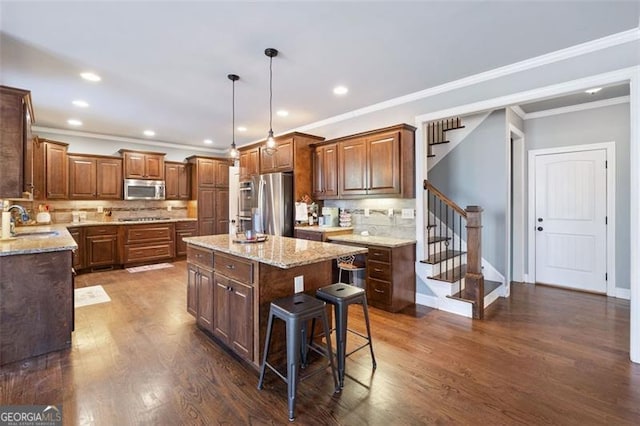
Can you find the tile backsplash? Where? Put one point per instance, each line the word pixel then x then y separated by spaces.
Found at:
pixel 379 222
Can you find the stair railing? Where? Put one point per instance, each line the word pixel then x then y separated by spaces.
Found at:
pixel 456 231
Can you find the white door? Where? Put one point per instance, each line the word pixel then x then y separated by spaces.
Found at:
pixel 571 208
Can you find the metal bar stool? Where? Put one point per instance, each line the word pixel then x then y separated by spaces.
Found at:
pixel 347 264
pixel 296 311
pixel 342 295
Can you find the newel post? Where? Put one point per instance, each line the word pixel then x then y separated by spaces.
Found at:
pixel 474 280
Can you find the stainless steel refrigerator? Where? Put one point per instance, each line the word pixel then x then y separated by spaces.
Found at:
pixel 267 204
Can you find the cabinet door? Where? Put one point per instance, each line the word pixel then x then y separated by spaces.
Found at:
pixel 57 172
pixel 267 161
pixel 192 289
pixel 184 182
pixel 134 165
pixel 78 254
pixel 317 168
pixel 154 166
pixel 222 174
pixel 109 179
pixel 253 165
pixel 101 250
pixel 222 211
pixel 284 155
pixel 172 181
pixel 12 142
pixel 82 177
pixel 181 246
pixel 383 154
pixel 241 319
pixel 206 211
pixel 352 163
pixel 206 172
pixel 205 299
pixel 222 309
pixel 244 165
pixel 330 172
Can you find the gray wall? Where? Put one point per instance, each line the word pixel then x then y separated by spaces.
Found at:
pixel 474 173
pixel 607 124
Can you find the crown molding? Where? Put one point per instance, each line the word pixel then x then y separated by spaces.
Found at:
pixel 76 133
pixel 527 64
pixel 579 107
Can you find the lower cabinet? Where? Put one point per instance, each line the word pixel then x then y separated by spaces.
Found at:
pixel 78 254
pixel 184 229
pixel 148 243
pixel 101 246
pixel 391 281
pixel 232 316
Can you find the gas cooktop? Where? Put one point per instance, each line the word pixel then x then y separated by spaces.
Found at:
pixel 142 219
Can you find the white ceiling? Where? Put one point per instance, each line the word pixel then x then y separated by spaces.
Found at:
pixel 164 65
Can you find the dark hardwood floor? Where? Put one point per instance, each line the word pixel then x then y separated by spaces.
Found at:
pixel 544 356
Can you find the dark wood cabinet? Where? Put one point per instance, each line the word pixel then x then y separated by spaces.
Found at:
pixel 221 211
pixel 15 142
pixel 325 172
pixel 391 281
pixel 205 291
pixel 50 170
pixel 249 163
pixel 222 174
pixel 319 234
pixel 200 286
pixel 101 246
pixel 279 161
pixel 383 159
pixel 177 181
pixel 143 165
pixel 148 243
pixel 206 211
pixel 78 254
pixel 184 229
pixel 95 178
pixel 210 180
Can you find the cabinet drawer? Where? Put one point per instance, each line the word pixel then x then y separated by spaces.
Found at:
pixel 199 256
pixel 233 267
pixel 379 270
pixel 309 235
pixel 186 226
pixel 379 254
pixel 138 234
pixel 378 292
pixel 144 253
pixel 101 230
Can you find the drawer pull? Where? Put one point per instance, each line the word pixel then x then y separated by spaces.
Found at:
pixel 231 266
pixel 378 291
pixel 198 255
pixel 377 269
pixel 377 254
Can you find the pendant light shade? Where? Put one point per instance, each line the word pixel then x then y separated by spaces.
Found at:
pixel 233 152
pixel 270 145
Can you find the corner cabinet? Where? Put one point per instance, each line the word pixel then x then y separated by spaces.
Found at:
pixel 50 170
pixel 378 163
pixel 143 165
pixel 15 139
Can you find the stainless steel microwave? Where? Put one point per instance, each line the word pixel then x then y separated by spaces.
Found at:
pixel 138 189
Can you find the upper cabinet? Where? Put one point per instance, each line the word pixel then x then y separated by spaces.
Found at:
pixel 279 161
pixel 50 170
pixel 375 163
pixel 143 165
pixel 94 177
pixel 249 163
pixel 16 115
pixel 177 180
pixel 325 171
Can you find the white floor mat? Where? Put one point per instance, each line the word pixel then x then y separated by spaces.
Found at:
pixel 90 296
pixel 149 267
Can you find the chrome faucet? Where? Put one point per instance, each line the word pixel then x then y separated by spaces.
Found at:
pixel 24 216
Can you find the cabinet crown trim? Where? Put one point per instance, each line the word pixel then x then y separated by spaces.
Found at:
pixel 396 127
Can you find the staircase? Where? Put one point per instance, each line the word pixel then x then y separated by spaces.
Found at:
pixel 454 256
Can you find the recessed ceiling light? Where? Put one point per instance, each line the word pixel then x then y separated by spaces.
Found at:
pixel 90 76
pixel 149 133
pixel 340 90
pixel 80 103
pixel 241 129
pixel 593 91
pixel 74 122
pixel 208 141
pixel 282 113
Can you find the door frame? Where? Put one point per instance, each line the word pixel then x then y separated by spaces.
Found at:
pixel 610 249
pixel 517 231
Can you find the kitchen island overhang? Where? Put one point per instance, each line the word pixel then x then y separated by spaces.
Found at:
pixel 230 285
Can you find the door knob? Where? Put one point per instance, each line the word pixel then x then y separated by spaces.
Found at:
pixel 539 219
pixel 539 228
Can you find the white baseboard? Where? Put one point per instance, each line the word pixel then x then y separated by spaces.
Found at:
pixel 426 300
pixel 445 304
pixel 623 293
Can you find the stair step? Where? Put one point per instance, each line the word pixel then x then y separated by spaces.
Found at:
pixel 442 256
pixel 489 287
pixel 437 239
pixel 452 275
pixel 453 128
pixel 438 142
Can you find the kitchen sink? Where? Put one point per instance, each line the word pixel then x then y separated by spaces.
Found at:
pixel 37 234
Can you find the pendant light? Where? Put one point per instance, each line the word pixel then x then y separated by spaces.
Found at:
pixel 270 145
pixel 233 153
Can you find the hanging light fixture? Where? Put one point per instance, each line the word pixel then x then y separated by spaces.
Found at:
pixel 270 145
pixel 233 153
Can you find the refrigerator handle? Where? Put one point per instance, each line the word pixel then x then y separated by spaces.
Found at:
pixel 258 227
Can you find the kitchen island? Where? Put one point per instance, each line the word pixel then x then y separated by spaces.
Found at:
pixel 36 292
pixel 230 285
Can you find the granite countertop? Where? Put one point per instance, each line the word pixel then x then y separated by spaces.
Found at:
pixel 283 252
pixel 38 243
pixel 323 228
pixel 372 240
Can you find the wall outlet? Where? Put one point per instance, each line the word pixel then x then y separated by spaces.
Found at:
pixel 390 212
pixel 99 209
pixel 169 208
pixel 298 284
pixel 408 213
pixel 366 212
